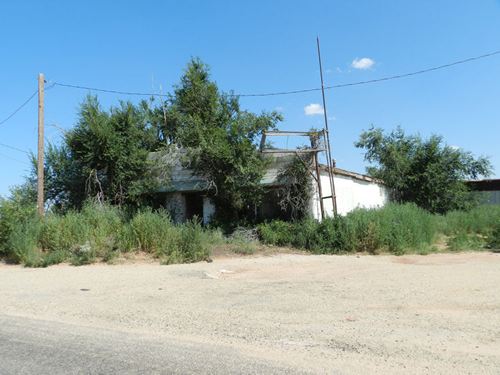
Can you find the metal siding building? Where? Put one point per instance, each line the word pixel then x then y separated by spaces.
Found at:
pixel 488 191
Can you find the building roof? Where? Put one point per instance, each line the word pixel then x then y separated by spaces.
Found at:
pixel 171 168
pixel 485 185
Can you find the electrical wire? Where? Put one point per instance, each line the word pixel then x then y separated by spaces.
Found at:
pixel 14 159
pixel 278 93
pixel 108 91
pixel 349 84
pixel 14 148
pixel 18 108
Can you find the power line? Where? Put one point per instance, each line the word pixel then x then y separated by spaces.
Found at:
pixel 14 148
pixel 14 159
pixel 25 103
pixel 108 91
pixel 19 108
pixel 417 72
pixel 300 91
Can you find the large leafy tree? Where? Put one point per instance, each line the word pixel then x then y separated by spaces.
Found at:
pixel 222 138
pixel 104 157
pixel 424 171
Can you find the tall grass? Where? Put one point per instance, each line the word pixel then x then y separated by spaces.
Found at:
pixel 395 228
pixel 101 232
pixel 474 229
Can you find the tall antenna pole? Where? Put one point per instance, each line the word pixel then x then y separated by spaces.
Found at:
pixel 40 172
pixel 328 151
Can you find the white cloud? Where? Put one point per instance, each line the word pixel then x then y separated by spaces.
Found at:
pixel 363 63
pixel 313 109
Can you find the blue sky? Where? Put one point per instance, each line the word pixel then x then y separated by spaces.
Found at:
pixel 261 46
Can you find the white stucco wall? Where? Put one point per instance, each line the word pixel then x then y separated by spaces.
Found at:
pixel 351 193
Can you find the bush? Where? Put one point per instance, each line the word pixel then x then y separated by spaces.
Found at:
pixel 394 228
pixel 101 232
pixel 494 238
pixel 22 243
pixel 277 233
pixel 154 232
pixel 81 236
pixel 15 211
pixel 481 220
pixel 243 241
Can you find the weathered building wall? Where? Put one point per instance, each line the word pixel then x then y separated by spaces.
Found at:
pixel 351 193
pixel 176 206
pixel 487 191
pixel 488 197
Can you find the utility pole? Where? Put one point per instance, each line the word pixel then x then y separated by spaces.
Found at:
pixel 40 171
pixel 329 160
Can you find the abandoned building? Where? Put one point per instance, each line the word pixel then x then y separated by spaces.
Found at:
pixel 487 191
pixel 185 195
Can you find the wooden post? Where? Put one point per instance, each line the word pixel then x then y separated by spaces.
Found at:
pixel 40 171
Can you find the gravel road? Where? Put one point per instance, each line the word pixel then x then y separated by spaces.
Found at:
pixel 291 313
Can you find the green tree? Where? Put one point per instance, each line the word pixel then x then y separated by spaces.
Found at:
pixel 222 139
pixel 424 171
pixel 104 157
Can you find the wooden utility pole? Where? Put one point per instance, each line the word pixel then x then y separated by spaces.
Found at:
pixel 40 172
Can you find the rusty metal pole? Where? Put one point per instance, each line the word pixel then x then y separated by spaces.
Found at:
pixel 40 171
pixel 328 151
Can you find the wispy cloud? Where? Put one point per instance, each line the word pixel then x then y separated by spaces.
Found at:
pixel 313 109
pixel 363 63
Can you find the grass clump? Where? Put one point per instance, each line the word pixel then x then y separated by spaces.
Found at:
pixel 243 241
pixel 395 228
pixel 155 233
pixel 102 232
pixel 472 230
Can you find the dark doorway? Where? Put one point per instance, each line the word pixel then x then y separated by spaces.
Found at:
pixel 194 206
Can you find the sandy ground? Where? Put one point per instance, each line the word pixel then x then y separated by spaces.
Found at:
pixel 325 314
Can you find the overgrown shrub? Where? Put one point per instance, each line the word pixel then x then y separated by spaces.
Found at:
pixel 494 239
pixel 479 220
pixel 394 228
pixel 243 241
pixel 15 211
pixel 102 232
pixel 22 242
pixel 154 232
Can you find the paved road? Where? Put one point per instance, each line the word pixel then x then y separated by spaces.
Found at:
pixel 29 346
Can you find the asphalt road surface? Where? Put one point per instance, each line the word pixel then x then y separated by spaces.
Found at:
pixel 29 346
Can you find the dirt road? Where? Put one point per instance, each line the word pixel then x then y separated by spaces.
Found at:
pixel 321 314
